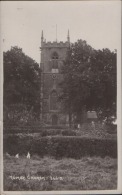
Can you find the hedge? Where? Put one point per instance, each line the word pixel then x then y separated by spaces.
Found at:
pixel 41 130
pixel 60 146
pixel 33 129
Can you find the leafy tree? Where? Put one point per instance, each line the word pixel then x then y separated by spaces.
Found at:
pixel 104 83
pixel 21 82
pixel 89 81
pixel 75 88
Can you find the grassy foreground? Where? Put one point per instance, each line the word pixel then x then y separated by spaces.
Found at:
pixel 47 174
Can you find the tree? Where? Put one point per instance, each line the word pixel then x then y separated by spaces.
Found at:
pixel 104 82
pixel 21 82
pixel 89 80
pixel 75 88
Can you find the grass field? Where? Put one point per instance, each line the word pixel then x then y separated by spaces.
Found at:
pixel 47 174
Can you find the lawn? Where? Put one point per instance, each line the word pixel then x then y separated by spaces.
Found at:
pixel 48 174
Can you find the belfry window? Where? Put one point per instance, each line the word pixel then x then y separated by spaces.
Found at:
pixel 55 58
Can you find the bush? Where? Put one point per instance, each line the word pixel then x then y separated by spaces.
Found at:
pixel 60 146
pixel 68 132
pixel 13 129
pixel 31 128
pixel 50 132
pixel 112 128
pixel 98 130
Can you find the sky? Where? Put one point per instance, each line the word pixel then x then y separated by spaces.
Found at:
pixel 97 22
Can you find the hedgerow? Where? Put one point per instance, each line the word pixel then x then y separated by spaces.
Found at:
pixel 60 146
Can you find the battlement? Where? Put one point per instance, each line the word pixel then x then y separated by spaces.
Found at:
pixel 54 44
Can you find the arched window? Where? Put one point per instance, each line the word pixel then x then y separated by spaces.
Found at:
pixel 55 58
pixel 53 100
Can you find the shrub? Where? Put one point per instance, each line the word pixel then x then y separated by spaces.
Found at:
pixel 98 130
pixel 68 132
pixel 28 128
pixel 50 132
pixel 11 129
pixel 60 146
pixel 111 128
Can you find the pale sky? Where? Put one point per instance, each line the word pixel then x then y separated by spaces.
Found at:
pixel 97 22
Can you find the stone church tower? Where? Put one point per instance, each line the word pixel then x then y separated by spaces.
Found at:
pixel 53 55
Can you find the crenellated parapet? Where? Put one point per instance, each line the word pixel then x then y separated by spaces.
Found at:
pixel 54 44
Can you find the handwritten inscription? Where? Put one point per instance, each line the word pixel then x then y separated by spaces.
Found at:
pixel 32 177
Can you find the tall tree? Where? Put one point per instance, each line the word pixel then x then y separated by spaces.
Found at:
pixel 104 82
pixel 89 80
pixel 21 82
pixel 75 88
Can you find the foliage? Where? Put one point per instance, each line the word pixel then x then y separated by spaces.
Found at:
pixel 103 83
pixel 60 146
pixel 86 130
pixel 69 132
pixel 30 128
pixel 89 81
pixel 76 69
pixel 21 85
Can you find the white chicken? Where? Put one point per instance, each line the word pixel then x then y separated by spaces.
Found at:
pixel 17 156
pixel 28 155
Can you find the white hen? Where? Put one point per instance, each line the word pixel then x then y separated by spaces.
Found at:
pixel 17 156
pixel 28 155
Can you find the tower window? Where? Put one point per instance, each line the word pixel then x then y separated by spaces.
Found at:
pixel 53 100
pixel 55 62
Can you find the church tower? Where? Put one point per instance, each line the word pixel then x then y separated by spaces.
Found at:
pixel 53 55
